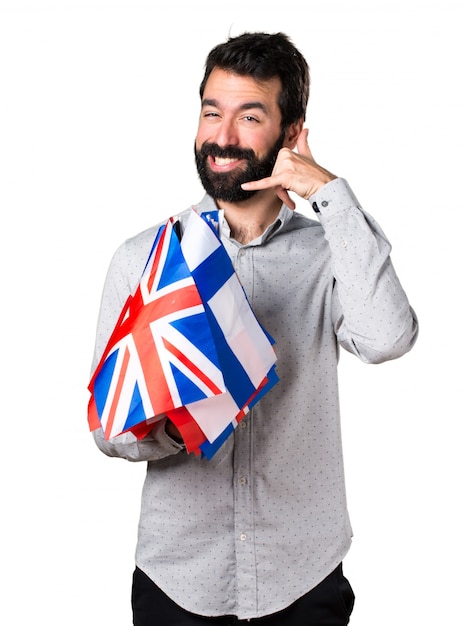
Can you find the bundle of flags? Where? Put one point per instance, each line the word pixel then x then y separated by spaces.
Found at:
pixel 187 345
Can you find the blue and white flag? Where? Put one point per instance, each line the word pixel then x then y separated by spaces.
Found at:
pixel 187 345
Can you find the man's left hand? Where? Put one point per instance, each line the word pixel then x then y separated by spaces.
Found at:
pixel 294 171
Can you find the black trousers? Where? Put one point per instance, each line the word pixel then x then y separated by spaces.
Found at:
pixel 331 602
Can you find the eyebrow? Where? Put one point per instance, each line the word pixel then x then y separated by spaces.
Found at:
pixel 211 102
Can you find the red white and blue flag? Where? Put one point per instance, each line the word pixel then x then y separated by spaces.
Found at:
pixel 187 345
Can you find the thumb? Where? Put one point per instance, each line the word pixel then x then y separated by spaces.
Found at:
pixel 303 145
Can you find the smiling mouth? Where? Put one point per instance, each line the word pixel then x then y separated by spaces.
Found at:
pixel 224 161
pixel 224 164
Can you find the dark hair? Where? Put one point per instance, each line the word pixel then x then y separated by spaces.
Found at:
pixel 264 56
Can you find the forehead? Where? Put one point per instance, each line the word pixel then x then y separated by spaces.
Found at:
pixel 227 89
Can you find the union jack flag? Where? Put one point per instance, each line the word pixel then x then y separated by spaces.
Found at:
pixel 187 345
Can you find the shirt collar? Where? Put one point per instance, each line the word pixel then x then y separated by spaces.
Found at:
pixel 284 216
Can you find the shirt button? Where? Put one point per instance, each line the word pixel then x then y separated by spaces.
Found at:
pixel 242 480
pixel 344 244
pixel 242 424
pixel 243 536
pixel 324 203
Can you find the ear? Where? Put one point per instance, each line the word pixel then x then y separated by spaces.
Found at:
pixel 292 133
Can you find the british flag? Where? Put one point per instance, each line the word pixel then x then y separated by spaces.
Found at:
pixel 187 345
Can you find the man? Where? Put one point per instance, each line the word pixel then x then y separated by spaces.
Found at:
pixel 259 532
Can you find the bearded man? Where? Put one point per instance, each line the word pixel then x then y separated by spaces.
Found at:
pixel 258 533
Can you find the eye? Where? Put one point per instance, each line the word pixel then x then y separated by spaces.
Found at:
pixel 250 118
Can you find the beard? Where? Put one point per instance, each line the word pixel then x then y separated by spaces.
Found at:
pixel 226 186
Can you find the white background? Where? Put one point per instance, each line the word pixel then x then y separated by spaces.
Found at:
pixel 98 113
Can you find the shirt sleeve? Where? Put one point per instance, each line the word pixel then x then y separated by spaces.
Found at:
pixel 371 313
pixel 122 278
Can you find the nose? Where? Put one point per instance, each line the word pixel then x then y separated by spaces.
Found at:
pixel 226 134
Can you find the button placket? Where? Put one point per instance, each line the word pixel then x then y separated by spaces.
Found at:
pixel 242 463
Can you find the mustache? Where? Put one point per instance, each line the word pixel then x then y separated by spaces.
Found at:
pixel 228 152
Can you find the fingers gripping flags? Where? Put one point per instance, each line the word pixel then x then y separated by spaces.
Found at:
pixel 187 345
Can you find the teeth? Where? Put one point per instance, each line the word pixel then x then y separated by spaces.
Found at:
pixel 220 161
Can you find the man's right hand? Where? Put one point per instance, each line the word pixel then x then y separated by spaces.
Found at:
pixel 172 431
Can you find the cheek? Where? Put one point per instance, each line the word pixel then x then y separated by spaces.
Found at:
pixel 262 144
pixel 262 151
pixel 201 137
pixel 205 132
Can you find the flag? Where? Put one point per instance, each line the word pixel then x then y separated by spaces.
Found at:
pixel 187 345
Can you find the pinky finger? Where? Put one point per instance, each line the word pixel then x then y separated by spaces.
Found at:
pixel 285 198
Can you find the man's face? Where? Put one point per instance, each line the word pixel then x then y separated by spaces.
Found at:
pixel 239 134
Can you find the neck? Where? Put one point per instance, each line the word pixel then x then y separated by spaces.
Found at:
pixel 249 219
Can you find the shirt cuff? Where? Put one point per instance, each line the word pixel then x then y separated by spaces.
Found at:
pixel 333 198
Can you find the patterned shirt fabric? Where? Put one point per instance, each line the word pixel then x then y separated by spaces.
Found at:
pixel 265 520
